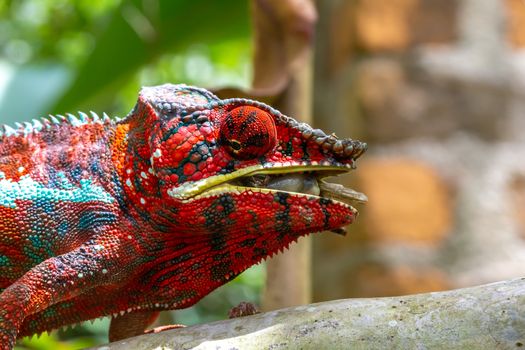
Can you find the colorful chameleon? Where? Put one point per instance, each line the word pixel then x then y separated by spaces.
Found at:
pixel 154 211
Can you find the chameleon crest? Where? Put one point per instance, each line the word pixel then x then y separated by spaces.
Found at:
pixel 154 211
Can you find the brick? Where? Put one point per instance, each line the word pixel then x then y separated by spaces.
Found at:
pixel 384 25
pixel 408 202
pixel 516 22
pixel 394 108
pixel 380 83
pixel 400 102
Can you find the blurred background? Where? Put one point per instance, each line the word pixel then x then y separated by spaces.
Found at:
pixel 434 86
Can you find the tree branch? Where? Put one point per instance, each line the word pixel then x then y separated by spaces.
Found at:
pixel 491 316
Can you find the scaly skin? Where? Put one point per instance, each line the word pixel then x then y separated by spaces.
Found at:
pixel 136 216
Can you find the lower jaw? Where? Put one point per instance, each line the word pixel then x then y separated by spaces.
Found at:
pixel 228 209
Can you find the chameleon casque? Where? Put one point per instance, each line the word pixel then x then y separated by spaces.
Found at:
pixel 152 212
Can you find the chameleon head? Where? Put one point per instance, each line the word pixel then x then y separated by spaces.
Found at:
pixel 244 173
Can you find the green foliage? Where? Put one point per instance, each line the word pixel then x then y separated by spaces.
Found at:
pixel 111 48
pixel 103 51
pixel 139 32
pixel 37 31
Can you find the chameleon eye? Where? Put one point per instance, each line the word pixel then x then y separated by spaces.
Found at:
pixel 248 132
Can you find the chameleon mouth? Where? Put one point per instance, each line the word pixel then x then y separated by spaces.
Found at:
pixel 303 180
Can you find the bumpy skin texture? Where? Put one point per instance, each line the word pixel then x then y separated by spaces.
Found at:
pixel 132 217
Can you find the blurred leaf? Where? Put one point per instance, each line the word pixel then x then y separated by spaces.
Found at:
pixel 37 84
pixel 140 31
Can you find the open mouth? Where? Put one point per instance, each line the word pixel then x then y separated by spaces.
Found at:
pixel 303 180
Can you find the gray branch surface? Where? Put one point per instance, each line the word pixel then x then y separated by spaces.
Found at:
pixel 490 316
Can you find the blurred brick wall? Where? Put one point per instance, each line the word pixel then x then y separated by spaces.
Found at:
pixel 436 88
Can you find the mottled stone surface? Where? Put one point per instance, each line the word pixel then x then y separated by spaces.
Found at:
pixel 436 88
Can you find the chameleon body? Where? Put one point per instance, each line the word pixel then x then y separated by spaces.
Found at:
pixel 152 212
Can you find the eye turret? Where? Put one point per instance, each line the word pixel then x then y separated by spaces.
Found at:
pixel 248 132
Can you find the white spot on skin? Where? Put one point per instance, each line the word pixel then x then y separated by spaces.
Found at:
pixel 150 170
pixel 142 201
pixel 157 153
pixel 128 182
pixel 104 271
pixel 21 169
pixel 80 275
pixel 144 175
pixel 128 171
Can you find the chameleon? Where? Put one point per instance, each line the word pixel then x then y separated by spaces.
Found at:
pixel 128 217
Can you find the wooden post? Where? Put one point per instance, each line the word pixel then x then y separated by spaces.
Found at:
pixel 283 33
